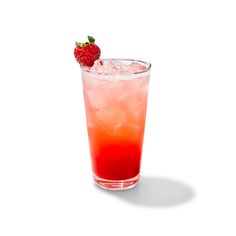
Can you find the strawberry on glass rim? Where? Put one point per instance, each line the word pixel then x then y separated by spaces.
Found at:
pixel 87 53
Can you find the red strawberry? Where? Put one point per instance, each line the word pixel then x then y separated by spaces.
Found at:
pixel 87 53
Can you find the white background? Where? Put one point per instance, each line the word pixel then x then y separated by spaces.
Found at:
pixel 188 167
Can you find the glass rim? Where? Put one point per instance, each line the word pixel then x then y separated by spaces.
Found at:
pixel 147 64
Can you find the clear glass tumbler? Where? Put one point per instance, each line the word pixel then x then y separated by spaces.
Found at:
pixel 115 106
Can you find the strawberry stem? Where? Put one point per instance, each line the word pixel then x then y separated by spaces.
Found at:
pixel 77 44
pixel 90 40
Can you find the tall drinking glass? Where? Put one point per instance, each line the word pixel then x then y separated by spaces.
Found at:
pixel 115 103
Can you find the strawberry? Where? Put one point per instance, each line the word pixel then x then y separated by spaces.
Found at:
pixel 87 53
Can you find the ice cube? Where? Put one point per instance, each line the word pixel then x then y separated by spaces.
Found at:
pixel 136 67
pixel 128 131
pixel 91 82
pixel 114 90
pixel 134 105
pixel 97 98
pixel 110 118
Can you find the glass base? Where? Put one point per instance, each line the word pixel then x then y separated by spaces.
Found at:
pixel 116 184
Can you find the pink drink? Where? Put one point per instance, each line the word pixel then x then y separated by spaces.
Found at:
pixel 115 95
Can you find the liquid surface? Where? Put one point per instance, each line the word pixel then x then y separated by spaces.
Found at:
pixel 117 67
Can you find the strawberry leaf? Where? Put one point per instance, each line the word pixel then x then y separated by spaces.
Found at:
pixel 91 39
